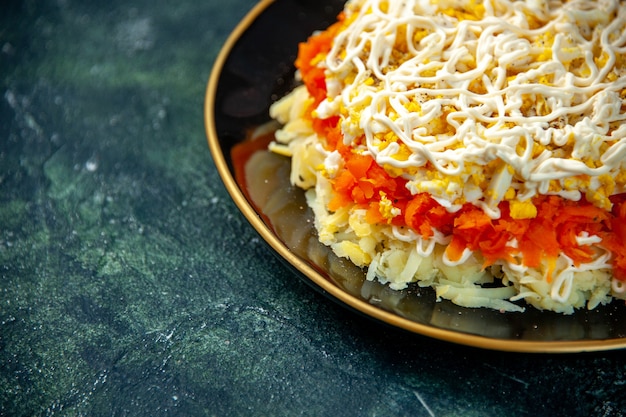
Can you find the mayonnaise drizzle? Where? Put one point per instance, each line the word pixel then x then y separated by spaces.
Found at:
pixel 486 101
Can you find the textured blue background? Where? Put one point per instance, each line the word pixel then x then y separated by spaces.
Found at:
pixel 131 286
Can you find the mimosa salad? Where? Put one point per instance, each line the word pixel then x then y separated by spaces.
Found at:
pixel 476 147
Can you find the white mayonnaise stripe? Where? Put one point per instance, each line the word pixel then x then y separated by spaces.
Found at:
pixel 445 89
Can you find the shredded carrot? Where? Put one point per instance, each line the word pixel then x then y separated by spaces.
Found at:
pixel 309 53
pixel 615 239
pixel 455 248
pixel 373 214
pixel 554 230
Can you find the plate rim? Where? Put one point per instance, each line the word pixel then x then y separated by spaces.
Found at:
pixel 332 290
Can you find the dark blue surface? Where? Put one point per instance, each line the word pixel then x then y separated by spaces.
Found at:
pixel 131 286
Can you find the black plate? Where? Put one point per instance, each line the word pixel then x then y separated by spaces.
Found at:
pixel 255 68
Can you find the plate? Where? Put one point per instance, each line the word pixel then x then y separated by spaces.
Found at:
pixel 255 68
